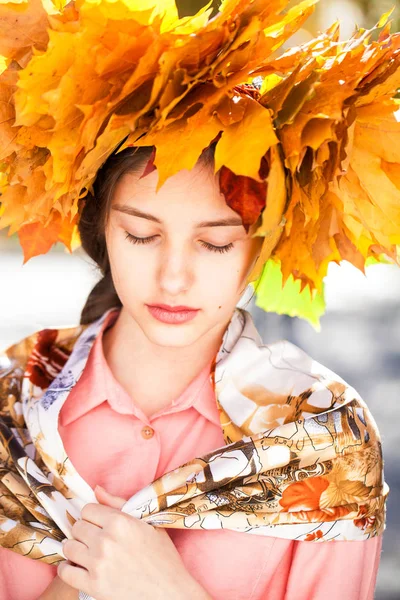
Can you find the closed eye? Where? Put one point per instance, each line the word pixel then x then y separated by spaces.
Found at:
pixel 147 240
pixel 220 249
pixel 138 240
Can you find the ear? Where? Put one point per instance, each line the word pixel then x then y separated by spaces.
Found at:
pixel 108 499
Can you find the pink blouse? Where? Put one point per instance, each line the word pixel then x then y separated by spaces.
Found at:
pixel 107 437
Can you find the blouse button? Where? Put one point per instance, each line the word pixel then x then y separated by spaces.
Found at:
pixel 147 432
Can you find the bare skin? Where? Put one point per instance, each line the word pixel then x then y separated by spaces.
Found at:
pixel 102 539
pixel 177 266
pixel 59 589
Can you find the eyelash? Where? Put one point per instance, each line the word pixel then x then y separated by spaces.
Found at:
pixel 138 240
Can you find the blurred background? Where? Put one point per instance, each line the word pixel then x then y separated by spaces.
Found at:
pixel 360 332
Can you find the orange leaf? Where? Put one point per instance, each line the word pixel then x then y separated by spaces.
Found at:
pixel 303 495
pixel 314 535
pixel 22 27
pixel 67 232
pixel 36 239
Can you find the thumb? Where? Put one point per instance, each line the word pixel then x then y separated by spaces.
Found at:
pixel 108 499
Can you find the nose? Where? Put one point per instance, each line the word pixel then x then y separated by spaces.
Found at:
pixel 175 272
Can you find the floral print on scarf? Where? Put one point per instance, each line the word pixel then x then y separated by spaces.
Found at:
pixel 302 458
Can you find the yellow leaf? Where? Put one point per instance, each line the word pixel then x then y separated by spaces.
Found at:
pixel 324 117
pixel 316 132
pixel 8 132
pixel 343 491
pixel 53 7
pixel 362 216
pixel 392 170
pixel 255 131
pixel 298 13
pixel 272 217
pixel 377 131
pixel 13 209
pixel 270 82
pixel 383 193
pixel 180 144
pixel 383 20
pixel 3 64
pixel 143 11
pixel 95 158
pixel 191 23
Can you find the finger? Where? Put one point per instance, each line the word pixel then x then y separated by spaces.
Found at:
pixel 98 514
pixel 77 553
pixel 85 532
pixel 108 499
pixel 75 576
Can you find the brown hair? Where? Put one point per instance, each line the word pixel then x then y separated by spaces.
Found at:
pixel 94 217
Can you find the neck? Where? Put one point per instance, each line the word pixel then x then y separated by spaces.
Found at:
pixel 169 369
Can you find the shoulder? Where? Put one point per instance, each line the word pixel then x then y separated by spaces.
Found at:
pixel 332 414
pixel 289 355
pixel 290 389
pixel 58 341
pixel 39 353
pixel 286 368
pixel 22 348
pixel 320 389
pixel 39 356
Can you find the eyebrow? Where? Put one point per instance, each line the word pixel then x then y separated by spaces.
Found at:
pixel 130 210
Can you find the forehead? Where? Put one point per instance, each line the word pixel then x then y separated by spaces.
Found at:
pixel 188 194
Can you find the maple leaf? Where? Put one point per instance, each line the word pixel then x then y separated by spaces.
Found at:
pixel 22 28
pixel 64 115
pixel 335 116
pixel 314 150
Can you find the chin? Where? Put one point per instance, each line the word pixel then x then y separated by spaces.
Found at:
pixel 173 336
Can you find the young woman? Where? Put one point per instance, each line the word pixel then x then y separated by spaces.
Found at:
pixel 174 265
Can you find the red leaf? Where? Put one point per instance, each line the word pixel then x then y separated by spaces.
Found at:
pixel 244 195
pixel 150 166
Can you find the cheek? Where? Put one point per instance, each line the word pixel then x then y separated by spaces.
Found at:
pixel 128 267
pixel 223 277
pixel 217 279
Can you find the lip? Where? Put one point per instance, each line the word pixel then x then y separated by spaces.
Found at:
pixel 179 308
pixel 175 316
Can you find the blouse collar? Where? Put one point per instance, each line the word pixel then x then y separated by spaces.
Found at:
pixel 98 385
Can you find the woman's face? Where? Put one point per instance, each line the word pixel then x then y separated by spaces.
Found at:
pixel 188 248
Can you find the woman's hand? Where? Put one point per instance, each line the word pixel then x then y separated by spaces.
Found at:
pixel 117 556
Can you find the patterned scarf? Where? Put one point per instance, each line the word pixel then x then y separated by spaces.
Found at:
pixel 302 460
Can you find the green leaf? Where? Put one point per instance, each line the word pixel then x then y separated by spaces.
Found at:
pixel 272 297
pixel 383 259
